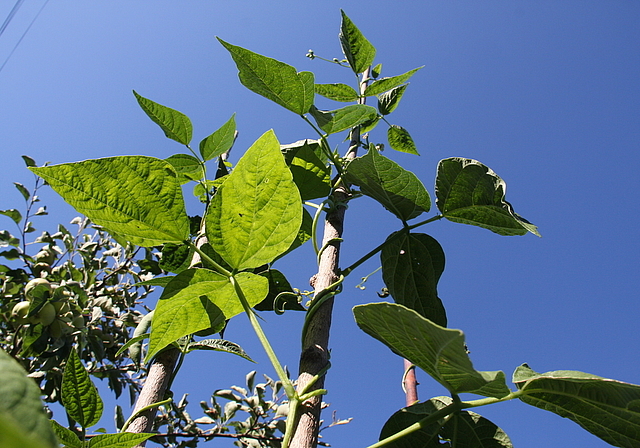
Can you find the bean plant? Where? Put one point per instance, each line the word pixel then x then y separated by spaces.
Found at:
pixel 219 263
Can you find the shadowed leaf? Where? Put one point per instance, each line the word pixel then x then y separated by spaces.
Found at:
pixel 337 92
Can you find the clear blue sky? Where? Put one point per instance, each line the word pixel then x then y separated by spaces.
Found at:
pixel 546 93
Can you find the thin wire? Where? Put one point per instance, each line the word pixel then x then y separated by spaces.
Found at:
pixel 12 13
pixel 23 34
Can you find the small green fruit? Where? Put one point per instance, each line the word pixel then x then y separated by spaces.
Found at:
pixel 47 314
pixel 78 322
pixel 19 313
pixel 28 289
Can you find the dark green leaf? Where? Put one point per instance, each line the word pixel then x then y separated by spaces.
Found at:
pixel 157 281
pixel 136 197
pixel 220 141
pixel 469 192
pixel 67 437
pixel 13 214
pixel 219 345
pixel 400 140
pixel 425 437
pixel 332 121
pixel 385 84
pixel 311 175
pixel 21 408
pixel 121 440
pixel 356 48
pixel 79 396
pixel 176 257
pixel 439 351
pixel 23 191
pixel 337 92
pixel 257 212
pixel 6 239
pixel 397 189
pixel 11 254
pixel 28 161
pixel 187 167
pixel 388 101
pixel 411 267
pixel 375 71
pixel 175 125
pixel 304 234
pixel 281 296
pixel 273 79
pixel 607 408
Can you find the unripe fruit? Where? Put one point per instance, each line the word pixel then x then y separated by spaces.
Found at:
pixel 19 313
pixel 78 322
pixel 47 314
pixel 61 307
pixel 36 282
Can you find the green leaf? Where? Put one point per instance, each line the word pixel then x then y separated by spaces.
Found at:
pixel 388 101
pixel 220 141
pixel 187 167
pixel 356 48
pixel 304 233
pixel 79 396
pixel 607 408
pixel 412 264
pixel 337 92
pixel 28 161
pixel 439 351
pixel 21 409
pixel 13 214
pixel 332 121
pixel 273 79
pixel 199 299
pixel 219 345
pixel 136 197
pixel 385 84
pixel 256 213
pixel 466 428
pixel 176 257
pixel 469 192
pixel 397 189
pixel 281 296
pixel 311 175
pixel 121 440
pixel 400 140
pixel 175 125
pixel 375 71
pixel 67 437
pixel 6 239
pixel 23 191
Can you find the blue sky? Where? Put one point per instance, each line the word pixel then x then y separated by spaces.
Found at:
pixel 545 93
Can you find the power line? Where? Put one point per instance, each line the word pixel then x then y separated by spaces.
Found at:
pixel 8 19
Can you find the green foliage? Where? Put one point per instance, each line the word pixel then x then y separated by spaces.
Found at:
pixel 79 396
pixel 356 48
pixel 175 125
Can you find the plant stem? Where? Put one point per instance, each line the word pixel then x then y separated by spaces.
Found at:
pixel 410 383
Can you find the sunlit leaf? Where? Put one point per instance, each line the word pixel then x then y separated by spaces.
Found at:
pixel 400 140
pixel 256 213
pixel 607 408
pixel 388 101
pixel 136 197
pixel 220 141
pixel 412 264
pixel 469 192
pixel 187 167
pixel 332 121
pixel 385 84
pixel 176 125
pixel 356 48
pixel 67 437
pixel 273 79
pixel 397 189
pixel 21 409
pixel 79 396
pixel 337 92
pixel 439 351
pixel 121 440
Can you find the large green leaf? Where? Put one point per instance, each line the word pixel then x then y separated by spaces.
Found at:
pixel 310 173
pixel 397 189
pixel 220 141
pixel 412 264
pixel 67 438
pixel 175 125
pixel 385 84
pixel 79 396
pixel 466 428
pixel 332 121
pixel 199 299
pixel 400 140
pixel 136 197
pixel 356 48
pixel 469 192
pixel 437 350
pixel 607 408
pixel 337 92
pixel 388 101
pixel 121 440
pixel 273 79
pixel 256 213
pixel 21 409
